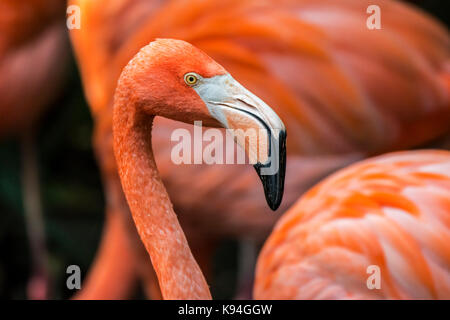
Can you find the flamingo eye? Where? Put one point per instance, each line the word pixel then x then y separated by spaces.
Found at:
pixel 190 78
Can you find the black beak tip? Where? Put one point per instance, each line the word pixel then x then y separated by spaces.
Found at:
pixel 273 184
pixel 274 200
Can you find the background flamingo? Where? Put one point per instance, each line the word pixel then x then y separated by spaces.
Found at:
pixel 390 211
pixel 33 58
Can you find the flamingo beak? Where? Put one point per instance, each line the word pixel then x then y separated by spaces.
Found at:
pixel 254 126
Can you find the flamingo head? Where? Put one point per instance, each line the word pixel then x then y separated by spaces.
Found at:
pixel 174 79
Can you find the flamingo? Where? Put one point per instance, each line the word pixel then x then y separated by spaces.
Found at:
pixel 389 211
pixel 172 78
pixel 34 53
pixel 339 95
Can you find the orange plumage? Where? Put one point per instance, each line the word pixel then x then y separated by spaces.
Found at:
pixel 390 211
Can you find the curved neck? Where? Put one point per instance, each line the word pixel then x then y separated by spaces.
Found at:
pixel 178 273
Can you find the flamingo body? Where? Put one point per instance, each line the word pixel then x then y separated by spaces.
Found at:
pixel 391 211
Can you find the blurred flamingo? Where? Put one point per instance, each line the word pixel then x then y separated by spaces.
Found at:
pixel 341 88
pixel 390 211
pixel 34 53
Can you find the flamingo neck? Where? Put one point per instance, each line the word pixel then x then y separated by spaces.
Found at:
pixel 178 273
